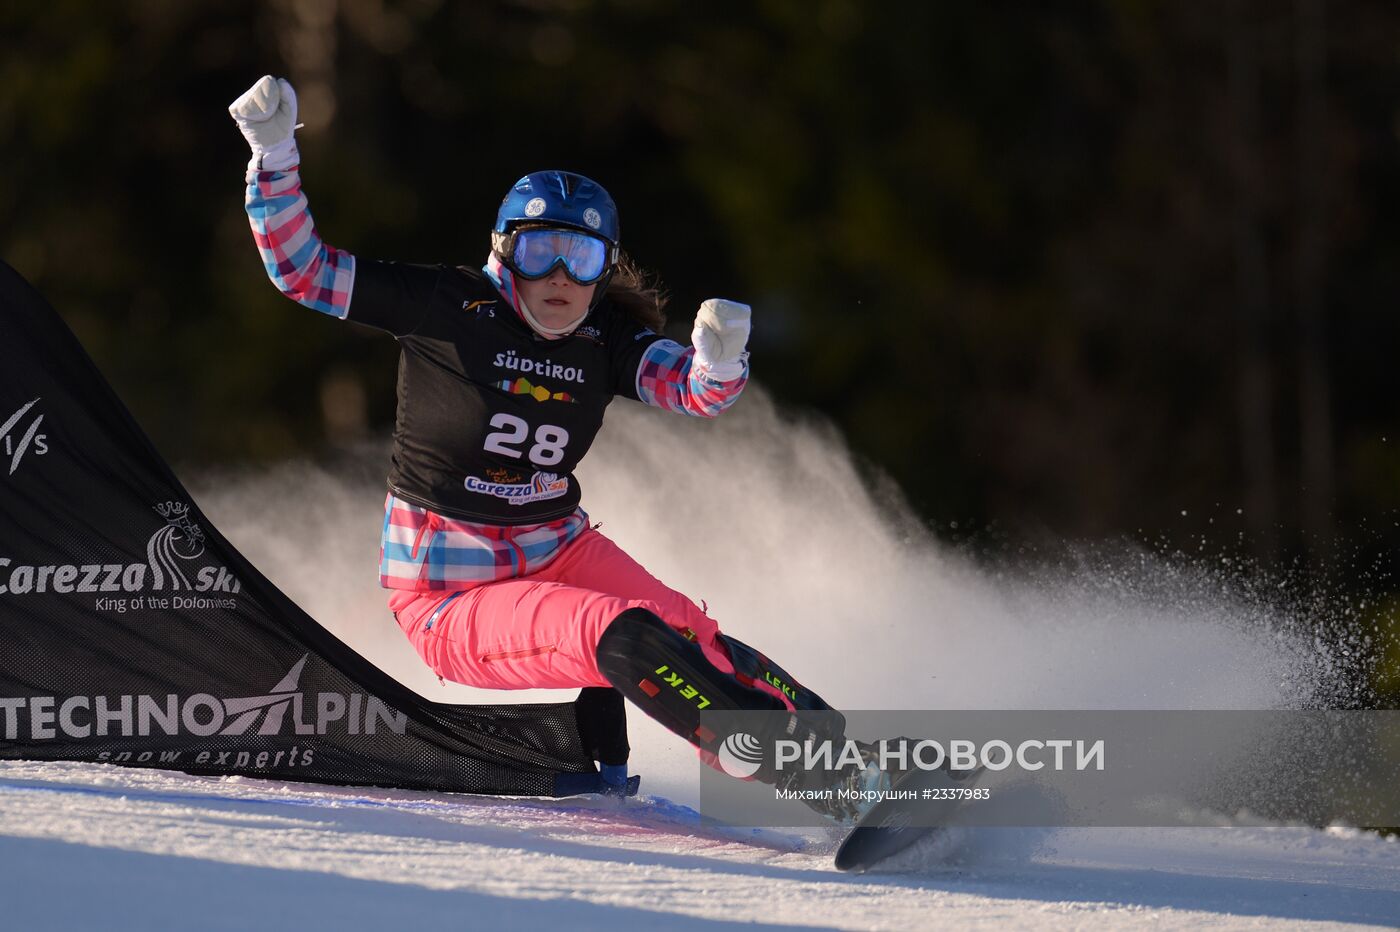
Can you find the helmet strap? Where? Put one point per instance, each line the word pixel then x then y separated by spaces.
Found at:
pixel 541 328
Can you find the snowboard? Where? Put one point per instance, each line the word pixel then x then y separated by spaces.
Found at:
pixel 894 824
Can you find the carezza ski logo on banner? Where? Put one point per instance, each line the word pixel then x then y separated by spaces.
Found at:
pixel 172 567
pixel 283 710
pixel 19 434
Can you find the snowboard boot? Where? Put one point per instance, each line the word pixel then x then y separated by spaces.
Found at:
pixel 858 787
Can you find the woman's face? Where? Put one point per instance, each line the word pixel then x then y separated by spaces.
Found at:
pixel 556 300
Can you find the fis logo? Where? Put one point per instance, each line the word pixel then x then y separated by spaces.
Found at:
pixel 19 435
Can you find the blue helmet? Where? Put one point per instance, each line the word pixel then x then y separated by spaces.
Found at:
pixel 560 199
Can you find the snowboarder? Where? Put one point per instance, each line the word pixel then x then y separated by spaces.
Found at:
pixel 497 577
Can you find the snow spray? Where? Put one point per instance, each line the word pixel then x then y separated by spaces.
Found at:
pixel 763 516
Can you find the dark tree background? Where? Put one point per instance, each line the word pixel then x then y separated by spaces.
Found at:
pixel 1065 271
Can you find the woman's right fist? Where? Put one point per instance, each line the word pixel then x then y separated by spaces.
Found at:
pixel 266 114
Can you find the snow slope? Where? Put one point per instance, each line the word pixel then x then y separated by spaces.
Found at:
pixel 86 847
pixel 847 594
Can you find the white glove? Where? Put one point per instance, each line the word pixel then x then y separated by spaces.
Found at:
pixel 267 115
pixel 720 335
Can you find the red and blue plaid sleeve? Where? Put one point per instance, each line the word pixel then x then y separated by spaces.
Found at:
pixel 302 267
pixel 668 378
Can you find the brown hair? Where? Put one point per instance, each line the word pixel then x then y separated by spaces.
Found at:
pixel 638 293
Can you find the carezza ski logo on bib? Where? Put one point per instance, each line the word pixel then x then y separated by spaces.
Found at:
pixel 542 486
pixel 172 558
pixel 19 434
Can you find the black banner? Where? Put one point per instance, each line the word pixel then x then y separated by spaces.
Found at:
pixel 132 632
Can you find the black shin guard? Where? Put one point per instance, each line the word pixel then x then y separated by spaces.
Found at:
pixel 671 680
pixel 753 665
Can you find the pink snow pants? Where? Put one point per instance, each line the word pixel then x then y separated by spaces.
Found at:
pixel 542 630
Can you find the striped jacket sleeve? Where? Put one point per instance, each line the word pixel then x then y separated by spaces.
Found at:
pixel 668 377
pixel 302 267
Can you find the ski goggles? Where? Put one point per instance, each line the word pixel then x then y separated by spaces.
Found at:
pixel 535 253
